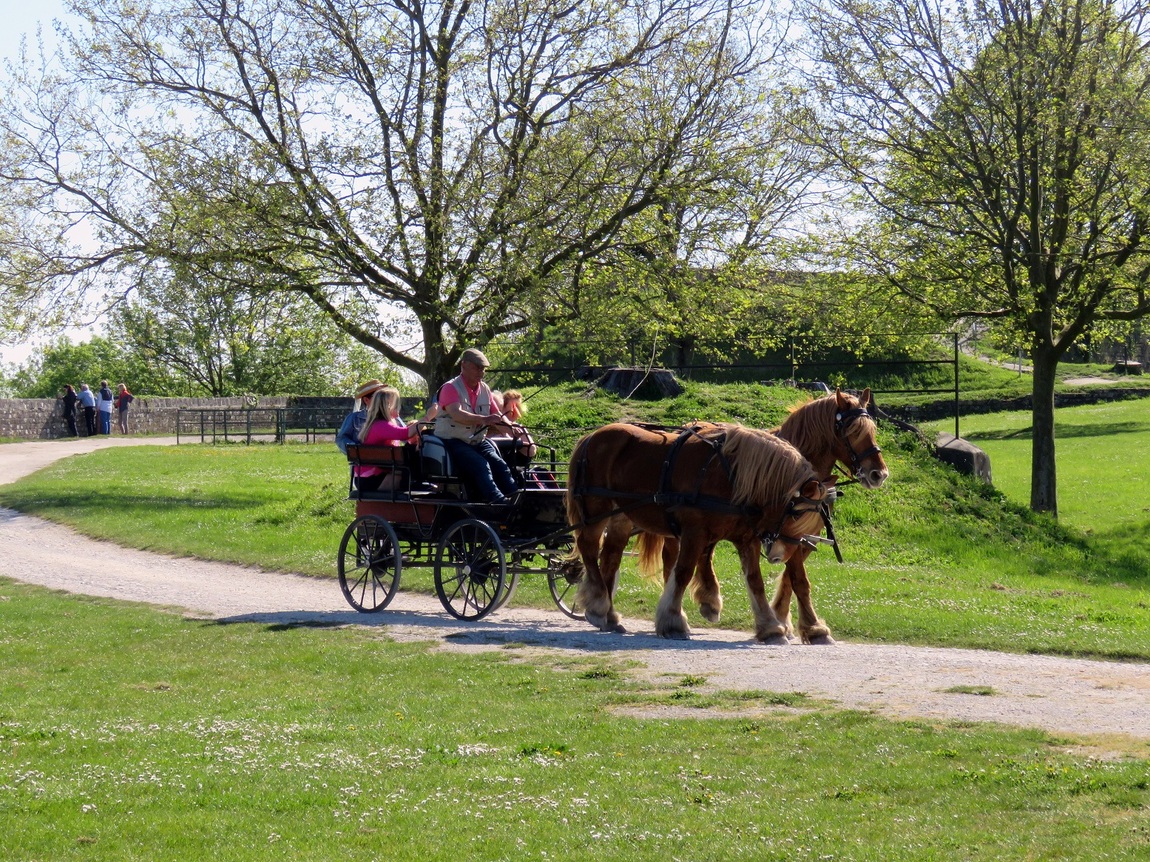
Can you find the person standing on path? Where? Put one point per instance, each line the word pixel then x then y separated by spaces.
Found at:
pixel 104 404
pixel 88 402
pixel 123 399
pixel 70 398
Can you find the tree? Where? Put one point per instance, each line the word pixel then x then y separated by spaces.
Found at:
pixel 218 340
pixel 1003 154
pixel 100 358
pixel 424 173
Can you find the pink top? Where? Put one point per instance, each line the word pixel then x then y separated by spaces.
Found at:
pixel 386 432
pixel 448 394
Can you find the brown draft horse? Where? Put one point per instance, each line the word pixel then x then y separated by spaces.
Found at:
pixel 833 429
pixel 723 482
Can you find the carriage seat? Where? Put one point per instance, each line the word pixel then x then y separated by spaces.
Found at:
pixel 390 459
pixel 436 461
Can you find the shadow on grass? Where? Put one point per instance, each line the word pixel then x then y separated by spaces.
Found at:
pixel 1062 430
pixel 34 502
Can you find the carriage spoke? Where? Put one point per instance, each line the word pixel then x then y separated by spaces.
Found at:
pixel 470 569
pixel 369 564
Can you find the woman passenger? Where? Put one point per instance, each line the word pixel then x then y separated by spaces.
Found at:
pixel 383 427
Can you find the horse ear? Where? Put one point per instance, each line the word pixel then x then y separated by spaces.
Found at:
pixel 840 399
pixel 865 399
pixel 813 490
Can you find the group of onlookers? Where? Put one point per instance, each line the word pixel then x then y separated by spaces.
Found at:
pixel 96 407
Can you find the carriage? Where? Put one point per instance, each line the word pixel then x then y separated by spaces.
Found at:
pixel 429 519
pixel 692 485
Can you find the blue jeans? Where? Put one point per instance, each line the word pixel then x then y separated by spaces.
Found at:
pixel 482 464
pixel 105 422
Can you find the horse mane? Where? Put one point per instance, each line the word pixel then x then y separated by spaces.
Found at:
pixel 810 425
pixel 765 468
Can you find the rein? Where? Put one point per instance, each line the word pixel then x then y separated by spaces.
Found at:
pixel 800 505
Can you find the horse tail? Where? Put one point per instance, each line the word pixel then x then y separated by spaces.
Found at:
pixel 650 549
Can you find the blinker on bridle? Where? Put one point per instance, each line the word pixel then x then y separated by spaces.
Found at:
pixel 843 421
pixel 798 506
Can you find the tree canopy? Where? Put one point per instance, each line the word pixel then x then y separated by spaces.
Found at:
pixel 428 175
pixel 1002 151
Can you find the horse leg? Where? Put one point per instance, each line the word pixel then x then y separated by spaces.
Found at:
pixel 781 603
pixel 599 601
pixel 705 586
pixel 812 630
pixel 593 595
pixel 670 621
pixel 768 628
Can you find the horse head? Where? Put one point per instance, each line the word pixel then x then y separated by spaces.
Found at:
pixel 807 511
pixel 856 444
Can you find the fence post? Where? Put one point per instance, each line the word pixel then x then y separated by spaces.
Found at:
pixel 954 335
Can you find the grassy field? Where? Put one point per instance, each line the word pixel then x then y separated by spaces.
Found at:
pixel 127 733
pixel 1103 460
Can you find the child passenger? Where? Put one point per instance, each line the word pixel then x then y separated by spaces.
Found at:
pixel 383 427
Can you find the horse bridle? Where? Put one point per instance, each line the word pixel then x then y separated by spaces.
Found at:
pixel 800 505
pixel 843 421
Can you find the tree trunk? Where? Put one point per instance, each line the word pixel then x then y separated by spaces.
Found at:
pixel 1043 484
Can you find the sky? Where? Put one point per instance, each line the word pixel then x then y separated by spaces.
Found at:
pixel 21 17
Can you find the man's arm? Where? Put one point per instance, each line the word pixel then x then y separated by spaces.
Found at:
pixel 349 431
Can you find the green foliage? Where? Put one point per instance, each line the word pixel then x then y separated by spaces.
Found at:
pixel 131 733
pixel 214 338
pixel 89 362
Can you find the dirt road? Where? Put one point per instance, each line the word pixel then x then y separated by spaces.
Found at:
pixel 1108 702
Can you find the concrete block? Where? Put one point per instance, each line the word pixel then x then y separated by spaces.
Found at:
pixel 964 456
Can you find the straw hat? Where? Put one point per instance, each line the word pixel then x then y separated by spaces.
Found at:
pixel 367 388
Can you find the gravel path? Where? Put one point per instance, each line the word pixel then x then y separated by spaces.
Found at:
pixel 1107 702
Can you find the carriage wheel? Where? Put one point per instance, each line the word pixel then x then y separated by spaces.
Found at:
pixel 564 575
pixel 369 564
pixel 470 569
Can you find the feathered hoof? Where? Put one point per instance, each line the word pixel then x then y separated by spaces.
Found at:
pixel 820 639
pixel 818 635
pixel 774 639
pixel 710 613
pixel 610 622
pixel 673 628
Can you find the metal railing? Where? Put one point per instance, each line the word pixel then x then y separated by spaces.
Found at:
pixel 259 424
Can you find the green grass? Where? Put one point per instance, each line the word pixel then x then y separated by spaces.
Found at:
pixel 127 733
pixel 931 558
pixel 1102 454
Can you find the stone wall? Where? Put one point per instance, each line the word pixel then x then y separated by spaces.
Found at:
pixel 43 418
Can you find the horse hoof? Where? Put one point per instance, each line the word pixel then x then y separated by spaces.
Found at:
pixel 820 640
pixel 710 613
pixel 777 639
pixel 675 635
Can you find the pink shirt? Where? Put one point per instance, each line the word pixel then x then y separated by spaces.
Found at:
pixel 448 394
pixel 386 432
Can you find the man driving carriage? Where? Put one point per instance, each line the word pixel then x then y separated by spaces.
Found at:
pixel 467 411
